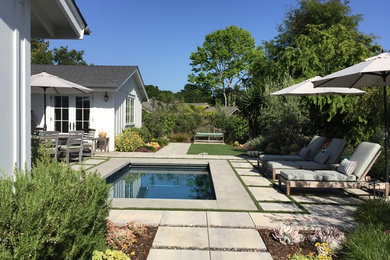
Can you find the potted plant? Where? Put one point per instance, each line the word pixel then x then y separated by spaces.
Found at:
pixel 102 134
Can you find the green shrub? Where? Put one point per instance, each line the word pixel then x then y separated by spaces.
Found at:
pixel 376 212
pixel 53 213
pixel 179 137
pixel 144 133
pixel 128 141
pixel 368 242
pixel 161 141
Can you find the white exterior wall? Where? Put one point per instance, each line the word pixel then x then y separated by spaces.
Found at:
pixel 15 136
pixel 103 116
pixel 129 88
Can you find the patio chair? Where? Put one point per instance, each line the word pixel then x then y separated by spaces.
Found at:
pixel 50 141
pixel 73 146
pixel 307 152
pixel 321 161
pixel 89 143
pixel 364 155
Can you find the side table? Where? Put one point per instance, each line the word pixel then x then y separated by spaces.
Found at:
pixel 102 144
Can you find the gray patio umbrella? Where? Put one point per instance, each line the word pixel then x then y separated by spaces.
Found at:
pixel 306 88
pixel 47 83
pixel 371 72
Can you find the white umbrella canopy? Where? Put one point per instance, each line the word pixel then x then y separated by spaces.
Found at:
pixel 45 83
pixel 55 85
pixel 374 71
pixel 306 88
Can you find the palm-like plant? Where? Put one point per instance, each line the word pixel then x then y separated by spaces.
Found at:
pixel 250 104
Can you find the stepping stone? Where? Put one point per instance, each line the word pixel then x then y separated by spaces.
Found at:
pixel 242 165
pixel 267 194
pixel 357 192
pixel 287 207
pixel 184 218
pixel 76 167
pixel 172 254
pixel 333 211
pixel 93 161
pixel 228 238
pixel 147 217
pixel 183 237
pixel 253 161
pixel 230 219
pixel 329 200
pixel 218 255
pixel 256 181
pixel 251 172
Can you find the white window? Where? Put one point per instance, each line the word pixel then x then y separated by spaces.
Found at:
pixel 130 110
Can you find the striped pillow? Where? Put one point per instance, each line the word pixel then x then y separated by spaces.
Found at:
pixel 321 157
pixel 347 167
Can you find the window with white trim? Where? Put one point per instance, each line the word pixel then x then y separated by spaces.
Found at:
pixel 130 110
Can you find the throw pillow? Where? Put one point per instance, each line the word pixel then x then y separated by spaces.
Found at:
pixel 347 167
pixel 321 157
pixel 304 153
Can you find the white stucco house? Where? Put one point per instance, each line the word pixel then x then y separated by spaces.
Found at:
pixel 114 103
pixel 21 20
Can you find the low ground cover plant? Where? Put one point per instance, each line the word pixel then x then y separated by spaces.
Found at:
pixel 53 212
pixel 371 239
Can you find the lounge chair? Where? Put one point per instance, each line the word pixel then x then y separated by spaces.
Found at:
pixel 307 152
pixel 365 156
pixel 321 161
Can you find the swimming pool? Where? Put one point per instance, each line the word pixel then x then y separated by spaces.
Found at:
pixel 163 181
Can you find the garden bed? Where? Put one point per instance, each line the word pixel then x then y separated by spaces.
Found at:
pixel 143 244
pixel 279 251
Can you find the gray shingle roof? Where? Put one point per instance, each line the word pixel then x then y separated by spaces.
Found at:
pixel 89 76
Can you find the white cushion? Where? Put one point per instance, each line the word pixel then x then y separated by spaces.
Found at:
pixel 347 167
pixel 321 157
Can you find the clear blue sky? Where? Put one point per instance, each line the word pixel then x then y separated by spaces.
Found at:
pixel 159 36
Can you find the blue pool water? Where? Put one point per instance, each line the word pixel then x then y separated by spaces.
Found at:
pixel 163 182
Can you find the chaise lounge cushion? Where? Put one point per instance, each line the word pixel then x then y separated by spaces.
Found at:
pixel 310 165
pixel 272 157
pixel 321 157
pixel 335 148
pixel 335 176
pixel 363 155
pixel 283 165
pixel 300 175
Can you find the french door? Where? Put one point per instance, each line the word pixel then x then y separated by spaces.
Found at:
pixel 71 113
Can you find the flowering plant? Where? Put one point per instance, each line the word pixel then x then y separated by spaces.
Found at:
pixel 331 236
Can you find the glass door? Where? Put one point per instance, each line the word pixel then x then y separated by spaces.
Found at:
pixel 71 113
pixel 61 114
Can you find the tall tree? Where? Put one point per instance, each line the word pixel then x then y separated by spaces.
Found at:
pixel 41 54
pixel 155 93
pixel 222 62
pixel 192 93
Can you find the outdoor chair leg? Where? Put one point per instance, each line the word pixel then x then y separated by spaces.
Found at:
pixel 387 190
pixel 288 188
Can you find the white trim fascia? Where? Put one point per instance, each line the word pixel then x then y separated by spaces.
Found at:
pixel 73 17
pixel 139 78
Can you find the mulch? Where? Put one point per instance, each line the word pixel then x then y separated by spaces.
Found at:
pixel 143 244
pixel 281 252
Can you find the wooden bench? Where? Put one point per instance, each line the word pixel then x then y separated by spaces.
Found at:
pixel 209 134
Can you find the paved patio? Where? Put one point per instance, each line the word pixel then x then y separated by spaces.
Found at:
pixel 211 232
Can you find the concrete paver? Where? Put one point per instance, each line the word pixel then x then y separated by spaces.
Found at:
pixel 182 237
pixel 225 255
pixel 287 207
pixel 330 199
pixel 235 238
pixel 148 217
pixel 174 149
pixel 256 181
pixel 250 172
pixel 334 211
pixel 230 219
pixel 93 161
pixel 242 165
pixel 267 194
pixel 184 218
pixel 173 254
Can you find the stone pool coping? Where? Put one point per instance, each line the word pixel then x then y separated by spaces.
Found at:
pixel 230 193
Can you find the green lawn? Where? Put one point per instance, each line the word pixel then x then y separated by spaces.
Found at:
pixel 215 149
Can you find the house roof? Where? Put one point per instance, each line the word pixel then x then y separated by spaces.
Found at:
pixel 98 78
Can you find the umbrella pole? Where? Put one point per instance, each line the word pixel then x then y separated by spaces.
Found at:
pixel 44 109
pixel 386 127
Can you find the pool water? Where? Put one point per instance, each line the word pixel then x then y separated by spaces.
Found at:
pixel 163 182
